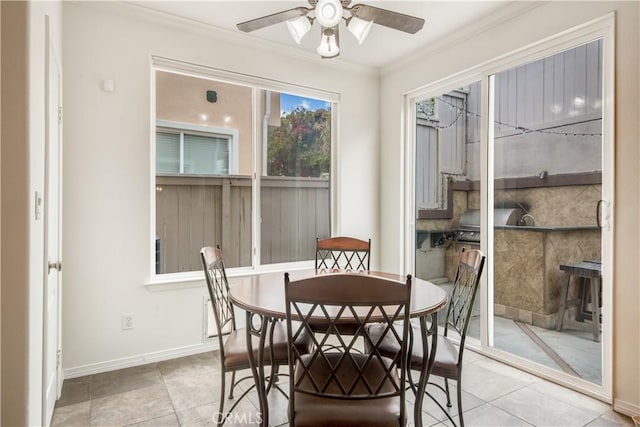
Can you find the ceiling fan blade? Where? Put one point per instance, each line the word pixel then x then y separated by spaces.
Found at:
pixel 397 21
pixel 276 18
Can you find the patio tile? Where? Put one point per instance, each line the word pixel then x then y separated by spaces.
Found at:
pixel 543 410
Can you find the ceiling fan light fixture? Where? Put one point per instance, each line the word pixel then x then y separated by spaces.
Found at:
pixel 298 27
pixel 328 12
pixel 328 45
pixel 359 28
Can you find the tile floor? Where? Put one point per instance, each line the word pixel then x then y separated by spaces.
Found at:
pixel 185 392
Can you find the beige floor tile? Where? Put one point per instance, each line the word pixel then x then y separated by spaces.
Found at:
pixel 123 380
pixel 131 407
pixel 195 365
pixel 488 415
pixel 611 419
pixel 189 391
pixel 571 397
pixel 244 414
pixel 541 409
pixel 167 421
pixel 74 391
pixel 72 415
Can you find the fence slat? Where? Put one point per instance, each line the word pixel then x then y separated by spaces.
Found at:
pixel 193 212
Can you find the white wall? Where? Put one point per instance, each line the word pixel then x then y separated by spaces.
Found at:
pixel 107 177
pixel 540 21
pixel 23 131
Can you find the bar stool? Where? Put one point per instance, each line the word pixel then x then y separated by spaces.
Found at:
pixel 587 273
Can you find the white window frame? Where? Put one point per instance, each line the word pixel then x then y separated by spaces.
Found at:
pixel 168 281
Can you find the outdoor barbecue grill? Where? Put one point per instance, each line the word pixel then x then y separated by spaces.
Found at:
pixel 468 230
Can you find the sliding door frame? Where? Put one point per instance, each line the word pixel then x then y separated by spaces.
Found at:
pixel 602 28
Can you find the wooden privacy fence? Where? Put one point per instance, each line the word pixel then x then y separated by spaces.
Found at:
pixel 196 211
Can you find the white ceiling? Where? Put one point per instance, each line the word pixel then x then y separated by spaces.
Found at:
pixel 381 48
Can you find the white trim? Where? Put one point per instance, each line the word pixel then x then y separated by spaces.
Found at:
pixel 600 28
pixel 256 213
pixel 544 372
pixel 335 225
pixel 178 67
pixel 141 359
pixel 626 408
pixel 173 281
pixel 233 136
pixel 152 170
pixel 195 279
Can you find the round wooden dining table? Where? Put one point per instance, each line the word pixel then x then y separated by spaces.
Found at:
pixel 264 295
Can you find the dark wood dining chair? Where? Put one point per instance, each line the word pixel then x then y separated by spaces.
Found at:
pixel 343 253
pixel 343 386
pixel 234 355
pixel 448 356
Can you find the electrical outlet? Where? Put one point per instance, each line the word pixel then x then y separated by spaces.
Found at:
pixel 127 321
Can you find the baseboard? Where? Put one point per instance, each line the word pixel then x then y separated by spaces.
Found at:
pixel 143 359
pixel 626 408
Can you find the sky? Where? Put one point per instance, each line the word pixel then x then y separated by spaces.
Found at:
pixel 290 102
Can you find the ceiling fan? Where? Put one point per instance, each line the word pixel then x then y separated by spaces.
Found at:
pixel 359 20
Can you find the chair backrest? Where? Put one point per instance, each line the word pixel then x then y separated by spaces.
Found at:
pixel 342 253
pixel 345 371
pixel 218 286
pixel 463 294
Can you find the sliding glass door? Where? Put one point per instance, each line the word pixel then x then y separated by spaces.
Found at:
pixel 515 157
pixel 547 177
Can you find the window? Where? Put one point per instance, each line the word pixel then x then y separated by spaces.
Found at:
pixel 187 152
pixel 244 165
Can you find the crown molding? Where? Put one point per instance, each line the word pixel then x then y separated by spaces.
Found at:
pixel 486 23
pixel 140 12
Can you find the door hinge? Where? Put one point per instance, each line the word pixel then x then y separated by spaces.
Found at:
pixel 59 114
pixel 58 358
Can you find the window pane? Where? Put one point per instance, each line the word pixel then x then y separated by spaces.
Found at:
pixel 447 138
pixel 214 209
pixel 548 169
pixel 295 182
pixel 167 152
pixel 206 155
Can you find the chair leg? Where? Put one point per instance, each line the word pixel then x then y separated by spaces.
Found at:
pixel 233 384
pixel 220 416
pixel 446 387
pixel 461 420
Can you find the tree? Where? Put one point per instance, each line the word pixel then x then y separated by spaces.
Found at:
pixel 301 146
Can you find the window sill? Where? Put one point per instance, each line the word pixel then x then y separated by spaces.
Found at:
pixel 195 279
